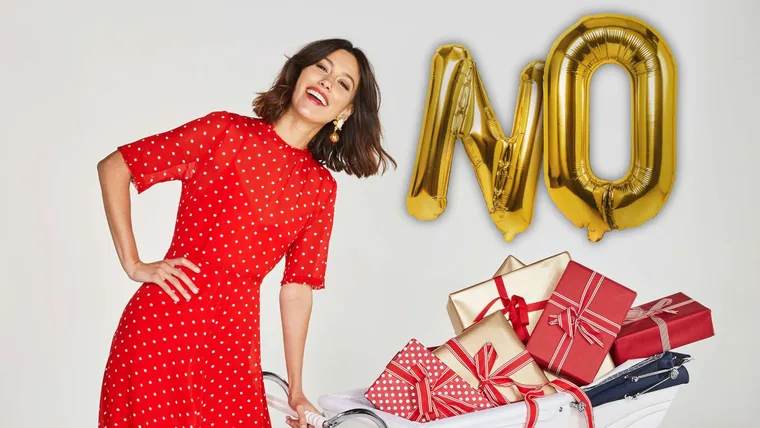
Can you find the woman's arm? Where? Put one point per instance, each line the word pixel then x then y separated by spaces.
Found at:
pixel 304 272
pixel 115 176
pixel 295 311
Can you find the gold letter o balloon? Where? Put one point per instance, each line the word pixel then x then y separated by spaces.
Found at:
pixel 582 197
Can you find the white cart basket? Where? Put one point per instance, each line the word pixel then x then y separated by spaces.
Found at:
pixel 555 411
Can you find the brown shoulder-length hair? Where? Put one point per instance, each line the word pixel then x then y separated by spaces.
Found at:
pixel 359 151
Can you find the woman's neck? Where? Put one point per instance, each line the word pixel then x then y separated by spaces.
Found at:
pixel 295 131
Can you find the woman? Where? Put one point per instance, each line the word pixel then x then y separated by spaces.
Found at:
pixel 186 352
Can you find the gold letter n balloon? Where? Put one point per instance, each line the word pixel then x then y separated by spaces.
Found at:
pixel 457 108
pixel 582 197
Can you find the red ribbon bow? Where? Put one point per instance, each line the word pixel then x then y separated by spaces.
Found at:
pixel 481 365
pixel 515 306
pixel 432 401
pixel 569 321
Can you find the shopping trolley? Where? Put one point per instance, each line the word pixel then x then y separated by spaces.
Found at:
pixel 559 410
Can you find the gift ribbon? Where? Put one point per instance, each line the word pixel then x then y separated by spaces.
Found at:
pixel 663 306
pixel 481 365
pixel 578 317
pixel 515 306
pixel 433 402
pixel 583 403
pixel 569 321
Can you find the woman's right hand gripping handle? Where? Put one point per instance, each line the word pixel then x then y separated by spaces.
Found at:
pixel 114 177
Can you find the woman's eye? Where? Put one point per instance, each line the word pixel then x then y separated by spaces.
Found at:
pixel 344 85
pixel 321 67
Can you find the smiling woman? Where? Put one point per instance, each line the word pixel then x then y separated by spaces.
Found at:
pixel 186 351
pixel 326 81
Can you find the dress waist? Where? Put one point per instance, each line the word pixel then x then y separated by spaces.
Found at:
pixel 215 268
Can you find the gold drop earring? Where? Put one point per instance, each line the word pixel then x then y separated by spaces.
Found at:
pixel 334 137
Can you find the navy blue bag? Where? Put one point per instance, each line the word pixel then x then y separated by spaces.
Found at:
pixel 652 374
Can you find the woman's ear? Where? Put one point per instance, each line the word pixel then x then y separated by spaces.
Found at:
pixel 348 111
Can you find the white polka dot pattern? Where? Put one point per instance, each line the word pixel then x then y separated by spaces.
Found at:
pixel 390 394
pixel 248 199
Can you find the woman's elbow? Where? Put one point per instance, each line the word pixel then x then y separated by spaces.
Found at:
pixel 110 162
pixel 102 164
pixel 113 169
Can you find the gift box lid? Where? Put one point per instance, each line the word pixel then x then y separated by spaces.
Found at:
pixel 534 283
pixel 510 263
pixel 415 382
pixel 580 323
pixel 661 325
pixel 491 348
pixel 677 305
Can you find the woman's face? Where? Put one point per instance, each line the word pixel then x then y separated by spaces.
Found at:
pixel 325 90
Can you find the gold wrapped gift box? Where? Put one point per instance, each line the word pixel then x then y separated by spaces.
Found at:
pixel 496 331
pixel 510 263
pixel 534 283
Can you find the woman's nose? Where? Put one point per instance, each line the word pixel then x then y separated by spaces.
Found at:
pixel 326 83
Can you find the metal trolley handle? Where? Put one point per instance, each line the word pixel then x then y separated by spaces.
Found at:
pixel 315 419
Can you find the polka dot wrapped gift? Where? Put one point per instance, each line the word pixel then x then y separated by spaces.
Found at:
pixel 417 386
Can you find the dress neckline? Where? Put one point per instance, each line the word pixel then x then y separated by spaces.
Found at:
pixel 284 144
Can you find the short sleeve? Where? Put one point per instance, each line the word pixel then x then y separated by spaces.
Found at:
pixel 177 153
pixel 306 258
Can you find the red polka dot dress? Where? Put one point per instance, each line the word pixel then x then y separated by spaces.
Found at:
pixel 248 200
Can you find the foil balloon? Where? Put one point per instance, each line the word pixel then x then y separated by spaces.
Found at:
pixel 507 168
pixel 583 198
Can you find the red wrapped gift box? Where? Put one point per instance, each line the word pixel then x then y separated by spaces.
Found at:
pixel 662 325
pixel 580 323
pixel 417 386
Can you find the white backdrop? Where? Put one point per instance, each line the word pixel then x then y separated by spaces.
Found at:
pixel 79 78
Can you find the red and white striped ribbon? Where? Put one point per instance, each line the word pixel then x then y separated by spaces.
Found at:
pixel 578 317
pixel 481 365
pixel 433 402
pixel 663 306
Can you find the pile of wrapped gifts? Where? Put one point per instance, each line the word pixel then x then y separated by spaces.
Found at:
pixel 554 326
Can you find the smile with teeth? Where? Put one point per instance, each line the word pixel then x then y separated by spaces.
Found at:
pixel 317 95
